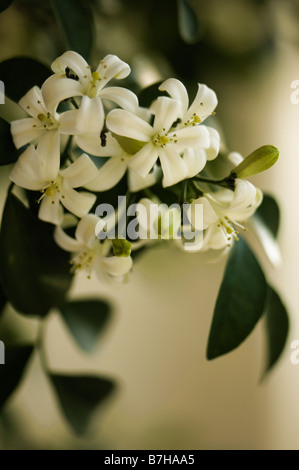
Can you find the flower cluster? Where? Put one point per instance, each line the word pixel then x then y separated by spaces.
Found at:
pixel 83 137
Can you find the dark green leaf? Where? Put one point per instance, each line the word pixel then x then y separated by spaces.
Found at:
pixel 79 396
pixel 188 22
pixel 76 21
pixel 20 74
pixel 269 213
pixel 34 270
pixel 11 372
pixel 277 327
pixel 147 95
pixel 8 152
pixel 5 4
pixel 240 302
pixel 86 319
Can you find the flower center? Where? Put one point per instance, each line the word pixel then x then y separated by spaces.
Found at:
pixel 47 121
pixel 83 261
pixel 193 120
pixel 53 190
pixel 161 140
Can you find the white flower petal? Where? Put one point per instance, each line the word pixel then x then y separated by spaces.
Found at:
pixel 92 144
pixel 75 62
pixel 75 202
pixel 177 91
pixel 36 168
pixel 57 89
pixel 213 149
pixel 50 210
pixel 33 102
pixel 90 116
pixel 173 166
pixel 115 266
pixel 167 111
pixel 215 238
pixel 143 161
pixel 124 123
pixel 66 242
pixel 112 67
pixel 195 137
pixel 23 131
pixel 85 232
pixel 48 151
pixel 80 172
pixel 137 182
pixel 204 103
pixel 209 215
pixel 25 172
pixel 123 97
pixel 195 161
pixel 108 175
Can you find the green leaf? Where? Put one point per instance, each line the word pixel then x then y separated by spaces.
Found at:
pixel 79 396
pixel 258 161
pixel 20 74
pixel 86 319
pixel 270 214
pixel 34 270
pixel 188 22
pixel 4 4
pixel 240 302
pixel 76 22
pixel 8 152
pixel 277 327
pixel 16 358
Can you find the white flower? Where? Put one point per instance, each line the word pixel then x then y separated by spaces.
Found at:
pixel 160 140
pixel 202 106
pixel 41 122
pixel 73 78
pixel 115 168
pixel 89 254
pixel 38 170
pixel 157 220
pixel 223 211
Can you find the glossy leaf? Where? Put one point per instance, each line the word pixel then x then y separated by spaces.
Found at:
pixel 188 22
pixel 8 152
pixel 34 270
pixel 86 319
pixel 259 160
pixel 20 74
pixel 4 4
pixel 277 327
pixel 79 396
pixel 76 21
pixel 270 214
pixel 240 301
pixel 148 94
pixel 16 358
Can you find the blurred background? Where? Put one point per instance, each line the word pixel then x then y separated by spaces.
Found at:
pixel 169 395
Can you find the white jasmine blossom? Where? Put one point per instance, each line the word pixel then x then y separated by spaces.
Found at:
pixel 223 211
pixel 115 168
pixel 89 253
pixel 41 122
pixel 160 140
pixel 36 171
pixel 73 78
